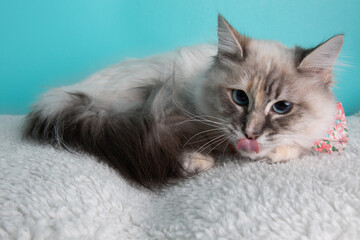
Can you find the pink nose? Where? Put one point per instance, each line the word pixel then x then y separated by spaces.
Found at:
pixel 251 134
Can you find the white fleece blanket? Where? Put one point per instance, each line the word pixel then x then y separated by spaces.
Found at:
pixel 52 194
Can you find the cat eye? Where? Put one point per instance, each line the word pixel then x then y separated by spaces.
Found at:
pixel 282 107
pixel 240 97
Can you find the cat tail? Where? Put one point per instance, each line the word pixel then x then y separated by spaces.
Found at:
pixel 139 143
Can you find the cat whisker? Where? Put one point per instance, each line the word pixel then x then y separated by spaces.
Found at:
pixel 213 121
pixel 199 118
pixel 201 140
pixel 206 122
pixel 221 141
pixel 226 146
pixel 215 118
pixel 207 144
pixel 194 116
pixel 178 106
pixel 210 131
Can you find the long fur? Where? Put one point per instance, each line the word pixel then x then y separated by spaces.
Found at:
pixel 142 115
pixel 143 143
pixel 130 141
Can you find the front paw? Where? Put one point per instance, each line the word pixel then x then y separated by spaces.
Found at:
pixel 283 154
pixel 194 162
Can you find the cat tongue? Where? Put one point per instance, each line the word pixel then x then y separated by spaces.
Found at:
pixel 248 145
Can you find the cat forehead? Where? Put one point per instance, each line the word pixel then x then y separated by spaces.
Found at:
pixel 265 62
pixel 270 54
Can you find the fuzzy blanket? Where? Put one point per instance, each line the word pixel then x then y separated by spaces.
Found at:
pixel 52 194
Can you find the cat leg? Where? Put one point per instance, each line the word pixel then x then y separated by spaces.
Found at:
pixel 194 162
pixel 284 153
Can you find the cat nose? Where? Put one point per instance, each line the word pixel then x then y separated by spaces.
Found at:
pixel 251 134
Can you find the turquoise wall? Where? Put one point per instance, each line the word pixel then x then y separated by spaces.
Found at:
pixel 48 43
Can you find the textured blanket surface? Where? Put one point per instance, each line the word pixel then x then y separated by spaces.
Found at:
pixel 53 194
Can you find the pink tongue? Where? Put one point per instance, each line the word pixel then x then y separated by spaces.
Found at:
pixel 248 145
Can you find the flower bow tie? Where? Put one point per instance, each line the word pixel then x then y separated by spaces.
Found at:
pixel 337 136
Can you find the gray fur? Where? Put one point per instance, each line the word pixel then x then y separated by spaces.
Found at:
pixel 145 141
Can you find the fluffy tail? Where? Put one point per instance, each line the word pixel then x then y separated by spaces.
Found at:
pixel 132 142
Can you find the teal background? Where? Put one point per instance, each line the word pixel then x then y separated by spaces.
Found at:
pixel 47 43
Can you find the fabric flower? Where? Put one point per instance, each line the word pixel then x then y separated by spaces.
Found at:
pixel 325 148
pixel 337 135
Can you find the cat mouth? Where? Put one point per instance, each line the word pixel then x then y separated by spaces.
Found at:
pixel 248 145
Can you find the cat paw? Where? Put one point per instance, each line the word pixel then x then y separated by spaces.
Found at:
pixel 283 154
pixel 194 162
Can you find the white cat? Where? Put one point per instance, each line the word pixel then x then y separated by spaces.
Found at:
pixel 170 115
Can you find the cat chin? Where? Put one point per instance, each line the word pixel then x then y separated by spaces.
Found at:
pixel 252 155
pixel 263 153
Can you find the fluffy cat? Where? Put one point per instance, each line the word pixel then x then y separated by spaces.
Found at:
pixel 170 115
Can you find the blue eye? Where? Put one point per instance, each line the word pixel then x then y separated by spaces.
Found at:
pixel 282 107
pixel 240 97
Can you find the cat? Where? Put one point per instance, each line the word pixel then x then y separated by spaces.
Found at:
pixel 171 115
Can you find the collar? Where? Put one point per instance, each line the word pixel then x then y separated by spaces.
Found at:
pixel 337 135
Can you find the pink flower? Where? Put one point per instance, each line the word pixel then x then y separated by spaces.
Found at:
pixel 343 140
pixel 326 147
pixel 340 113
pixel 331 132
pixel 336 135
pixel 340 127
pixel 340 118
pixel 317 142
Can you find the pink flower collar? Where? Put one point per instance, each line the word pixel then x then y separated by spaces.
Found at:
pixel 337 136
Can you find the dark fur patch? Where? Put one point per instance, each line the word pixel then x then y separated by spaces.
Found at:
pixel 131 142
pixel 301 53
pixel 230 109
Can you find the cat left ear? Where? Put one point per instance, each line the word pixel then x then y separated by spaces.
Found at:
pixel 230 42
pixel 323 57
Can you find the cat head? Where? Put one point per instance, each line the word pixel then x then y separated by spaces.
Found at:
pixel 267 92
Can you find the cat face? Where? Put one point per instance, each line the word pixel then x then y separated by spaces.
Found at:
pixel 269 94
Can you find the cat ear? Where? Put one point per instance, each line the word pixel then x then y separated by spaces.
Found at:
pixel 323 57
pixel 230 42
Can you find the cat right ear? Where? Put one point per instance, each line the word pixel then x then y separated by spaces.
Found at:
pixel 322 58
pixel 230 43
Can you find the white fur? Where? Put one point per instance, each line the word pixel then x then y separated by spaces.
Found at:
pixel 111 87
pixel 270 53
pixel 194 162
